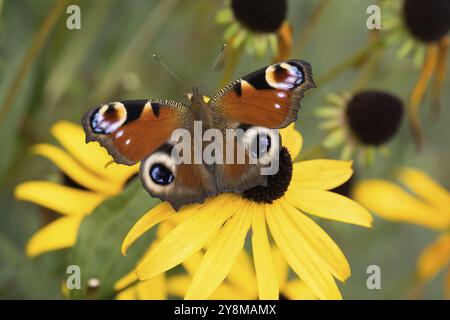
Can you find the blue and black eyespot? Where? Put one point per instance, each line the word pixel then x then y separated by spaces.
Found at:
pixel 161 175
pixel 263 144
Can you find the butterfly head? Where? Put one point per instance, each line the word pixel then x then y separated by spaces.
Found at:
pixel 195 97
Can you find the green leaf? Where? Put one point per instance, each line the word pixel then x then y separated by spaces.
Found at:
pixel 97 251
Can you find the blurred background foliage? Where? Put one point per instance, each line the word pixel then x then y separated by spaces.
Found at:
pixel 110 59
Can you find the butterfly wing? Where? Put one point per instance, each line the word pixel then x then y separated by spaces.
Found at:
pixel 269 97
pixel 140 131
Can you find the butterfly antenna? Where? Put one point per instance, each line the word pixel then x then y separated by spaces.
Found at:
pixel 216 62
pixel 170 71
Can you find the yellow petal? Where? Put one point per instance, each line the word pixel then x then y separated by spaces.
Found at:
pixel 298 290
pixel 189 236
pixel 220 256
pixel 319 241
pixel 152 289
pixel 228 292
pixel 425 187
pixel 434 258
pixel 292 140
pixel 126 280
pixel 242 275
pixel 91 155
pixel 59 234
pixel 281 267
pixel 191 264
pixel 393 203
pixel 307 266
pixel 127 294
pixel 329 205
pixel 62 199
pixel 156 215
pixel 77 172
pixel 321 174
pixel 266 273
pixel 177 285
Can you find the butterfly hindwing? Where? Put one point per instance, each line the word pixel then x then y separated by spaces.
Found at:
pixel 269 97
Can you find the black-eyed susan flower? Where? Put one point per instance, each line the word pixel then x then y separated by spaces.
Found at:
pixel 239 284
pixel 426 203
pixel 89 178
pixel 421 28
pixel 257 26
pixel 362 122
pixel 221 224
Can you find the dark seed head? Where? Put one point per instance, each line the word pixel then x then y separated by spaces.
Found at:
pixel 427 20
pixel 260 15
pixel 374 116
pixel 277 184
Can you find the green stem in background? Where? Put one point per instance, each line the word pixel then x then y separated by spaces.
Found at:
pixel 311 24
pixel 30 56
pixel 355 60
pixel 370 63
pixel 138 46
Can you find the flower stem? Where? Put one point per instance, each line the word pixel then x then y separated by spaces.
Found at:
pixel 311 25
pixel 355 60
pixel 31 55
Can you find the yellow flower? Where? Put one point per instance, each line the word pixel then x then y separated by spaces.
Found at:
pixel 421 28
pixel 240 282
pixel 87 166
pixel 220 225
pixel 428 205
pixel 257 25
pixel 360 123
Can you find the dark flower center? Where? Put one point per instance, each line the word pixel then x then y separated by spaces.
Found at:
pixel 260 15
pixel 427 20
pixel 374 116
pixel 277 184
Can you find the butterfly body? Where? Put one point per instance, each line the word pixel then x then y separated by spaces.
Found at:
pixel 142 131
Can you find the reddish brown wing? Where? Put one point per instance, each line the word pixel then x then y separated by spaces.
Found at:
pixel 132 130
pixel 269 97
pixel 140 131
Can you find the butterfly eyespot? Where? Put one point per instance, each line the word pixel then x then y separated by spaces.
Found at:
pixel 108 118
pixel 261 142
pixel 260 146
pixel 158 172
pixel 161 175
pixel 284 76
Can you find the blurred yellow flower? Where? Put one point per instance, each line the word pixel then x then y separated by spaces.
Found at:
pixel 220 225
pixel 94 178
pixel 427 205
